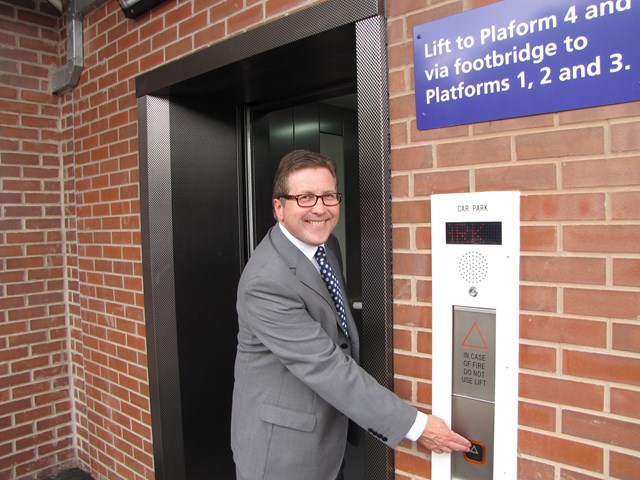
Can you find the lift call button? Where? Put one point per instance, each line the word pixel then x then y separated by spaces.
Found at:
pixel 476 453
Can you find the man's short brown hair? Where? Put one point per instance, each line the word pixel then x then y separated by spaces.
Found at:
pixel 297 160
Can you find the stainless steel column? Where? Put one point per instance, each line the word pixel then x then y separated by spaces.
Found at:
pixel 473 390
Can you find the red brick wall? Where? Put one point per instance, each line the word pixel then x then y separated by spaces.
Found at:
pixel 36 428
pixel 73 375
pixel 579 173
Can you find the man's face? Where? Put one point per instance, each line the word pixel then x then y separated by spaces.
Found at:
pixel 312 225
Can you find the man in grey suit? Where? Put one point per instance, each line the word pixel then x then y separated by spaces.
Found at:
pixel 297 378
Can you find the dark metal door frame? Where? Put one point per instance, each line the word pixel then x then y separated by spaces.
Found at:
pixel 240 71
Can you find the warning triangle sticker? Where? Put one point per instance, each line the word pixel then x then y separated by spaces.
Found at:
pixel 475 339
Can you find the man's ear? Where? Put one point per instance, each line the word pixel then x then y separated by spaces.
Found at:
pixel 278 205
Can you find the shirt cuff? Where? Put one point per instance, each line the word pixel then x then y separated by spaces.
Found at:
pixel 418 427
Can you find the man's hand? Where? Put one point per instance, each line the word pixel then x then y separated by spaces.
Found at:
pixel 439 438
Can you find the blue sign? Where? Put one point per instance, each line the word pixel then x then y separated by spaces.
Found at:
pixel 523 57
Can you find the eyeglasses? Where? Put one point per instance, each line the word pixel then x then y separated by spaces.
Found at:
pixel 307 200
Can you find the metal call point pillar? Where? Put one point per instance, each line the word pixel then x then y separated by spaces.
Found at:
pixel 475 275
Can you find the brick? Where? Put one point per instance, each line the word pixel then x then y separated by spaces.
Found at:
pixel 623 466
pixel 401 8
pixel 537 416
pixel 624 205
pixel 521 177
pixel 192 24
pixel 21 159
pixel 566 474
pixel 24 237
pixel 177 15
pixel 403 388
pixel 606 112
pixel 398 133
pixel 401 238
pixel 625 402
pixel 446 133
pixel 563 207
pixel 395 30
pixel 609 430
pixel 400 54
pixel 511 124
pixel 164 38
pixel 402 289
pixel 414 158
pixel 563 270
pixel 21 185
pixel 538 238
pixel 528 468
pixel 424 342
pixel 602 238
pixel 424 291
pixel 539 299
pixel 441 182
pixel 564 330
pixel 625 137
pixel 601 172
pixel 410 212
pixel 602 303
pixel 562 143
pixel 423 238
pixel 626 337
pixel 245 18
pixel 7 303
pixel 17 378
pixel 440 11
pixel 14 406
pixel 397 83
pixel 175 50
pixel 533 357
pixel 412 315
pixel 412 366
pixel 596 366
pixel 402 107
pixel 402 340
pixel 474 152
pixel 411 264
pixel 561 391
pixel 424 393
pixel 211 34
pixel 411 463
pixel 561 450
pixel 23 314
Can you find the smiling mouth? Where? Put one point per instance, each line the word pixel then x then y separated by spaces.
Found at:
pixel 316 222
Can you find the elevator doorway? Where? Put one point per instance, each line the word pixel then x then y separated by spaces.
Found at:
pixel 206 163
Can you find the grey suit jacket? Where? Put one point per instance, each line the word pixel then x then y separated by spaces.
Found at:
pixel 297 380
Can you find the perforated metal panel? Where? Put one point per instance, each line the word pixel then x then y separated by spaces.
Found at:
pixel 159 287
pixel 375 202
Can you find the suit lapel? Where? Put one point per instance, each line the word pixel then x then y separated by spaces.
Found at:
pixel 299 265
pixel 306 272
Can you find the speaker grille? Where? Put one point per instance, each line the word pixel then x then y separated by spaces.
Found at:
pixel 473 267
